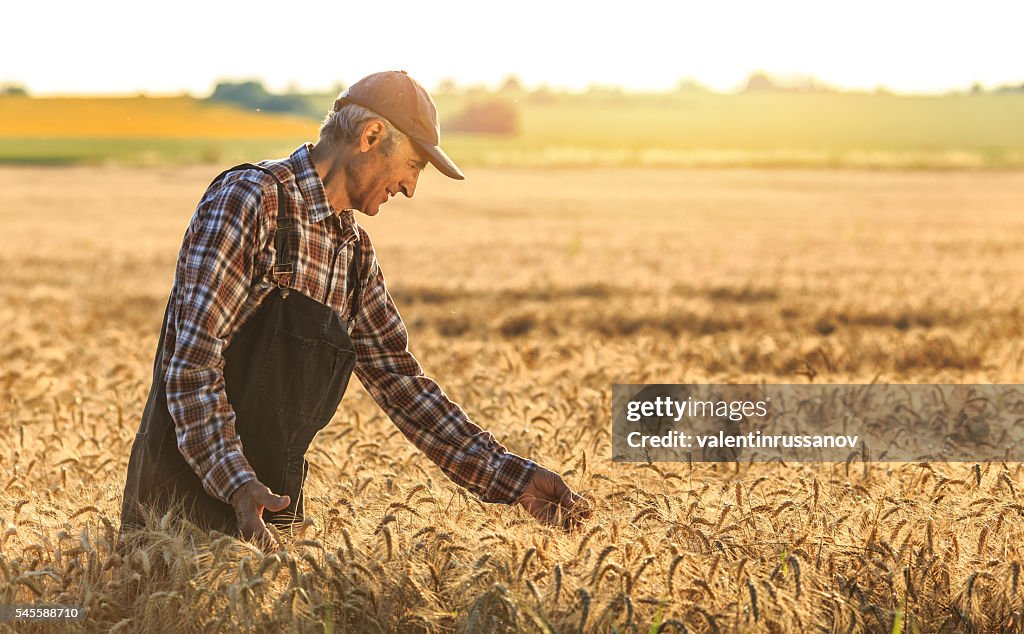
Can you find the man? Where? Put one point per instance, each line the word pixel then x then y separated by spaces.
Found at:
pixel 277 299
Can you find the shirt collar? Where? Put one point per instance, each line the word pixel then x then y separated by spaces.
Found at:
pixel 312 190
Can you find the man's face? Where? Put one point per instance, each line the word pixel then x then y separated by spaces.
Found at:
pixel 374 178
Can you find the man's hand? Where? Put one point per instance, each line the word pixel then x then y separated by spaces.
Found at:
pixel 249 501
pixel 549 499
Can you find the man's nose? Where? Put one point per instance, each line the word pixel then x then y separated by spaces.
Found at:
pixel 409 186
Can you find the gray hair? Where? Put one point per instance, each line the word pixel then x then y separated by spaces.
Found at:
pixel 346 124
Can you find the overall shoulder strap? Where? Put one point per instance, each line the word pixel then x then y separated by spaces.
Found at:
pixel 283 246
pixel 285 225
pixel 251 166
pixel 356 272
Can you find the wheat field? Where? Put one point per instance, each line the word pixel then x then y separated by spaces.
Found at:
pixel 529 293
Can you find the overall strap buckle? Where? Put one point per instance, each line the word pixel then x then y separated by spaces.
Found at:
pixel 284 263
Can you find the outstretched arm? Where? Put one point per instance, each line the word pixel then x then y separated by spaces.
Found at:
pixel 467 454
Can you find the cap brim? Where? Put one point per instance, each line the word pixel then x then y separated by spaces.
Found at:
pixel 440 160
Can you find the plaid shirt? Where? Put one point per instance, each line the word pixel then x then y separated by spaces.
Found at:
pixel 222 276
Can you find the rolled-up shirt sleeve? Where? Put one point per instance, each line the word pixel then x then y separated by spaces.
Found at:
pixel 212 280
pixel 417 405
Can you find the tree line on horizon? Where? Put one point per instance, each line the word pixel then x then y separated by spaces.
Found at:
pixel 251 93
pixel 496 111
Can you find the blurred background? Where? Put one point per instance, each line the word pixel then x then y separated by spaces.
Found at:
pixel 724 84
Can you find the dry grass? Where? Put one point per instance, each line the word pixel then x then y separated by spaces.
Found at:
pixel 569 281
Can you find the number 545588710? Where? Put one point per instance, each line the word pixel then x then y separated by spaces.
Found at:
pixel 40 612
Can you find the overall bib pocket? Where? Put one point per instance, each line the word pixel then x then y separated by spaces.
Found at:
pixel 304 378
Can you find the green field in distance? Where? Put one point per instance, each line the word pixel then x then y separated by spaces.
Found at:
pixel 679 129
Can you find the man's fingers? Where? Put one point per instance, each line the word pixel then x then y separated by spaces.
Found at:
pixel 264 497
pixel 584 508
pixel 550 501
pixel 274 502
pixel 574 508
pixel 566 511
pixel 254 495
pixel 573 503
pixel 250 526
pixel 266 540
pixel 580 506
pixel 542 509
pixel 549 513
pixel 257 531
pixel 567 498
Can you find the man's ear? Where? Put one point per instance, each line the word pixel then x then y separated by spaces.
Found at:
pixel 372 134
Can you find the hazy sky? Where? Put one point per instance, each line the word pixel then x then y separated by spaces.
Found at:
pixel 125 47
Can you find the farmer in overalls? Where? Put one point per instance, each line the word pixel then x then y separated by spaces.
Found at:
pixel 277 299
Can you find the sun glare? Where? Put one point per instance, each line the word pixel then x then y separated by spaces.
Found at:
pixel 906 46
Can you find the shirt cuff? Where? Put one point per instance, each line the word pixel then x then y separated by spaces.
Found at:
pixel 511 475
pixel 231 471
